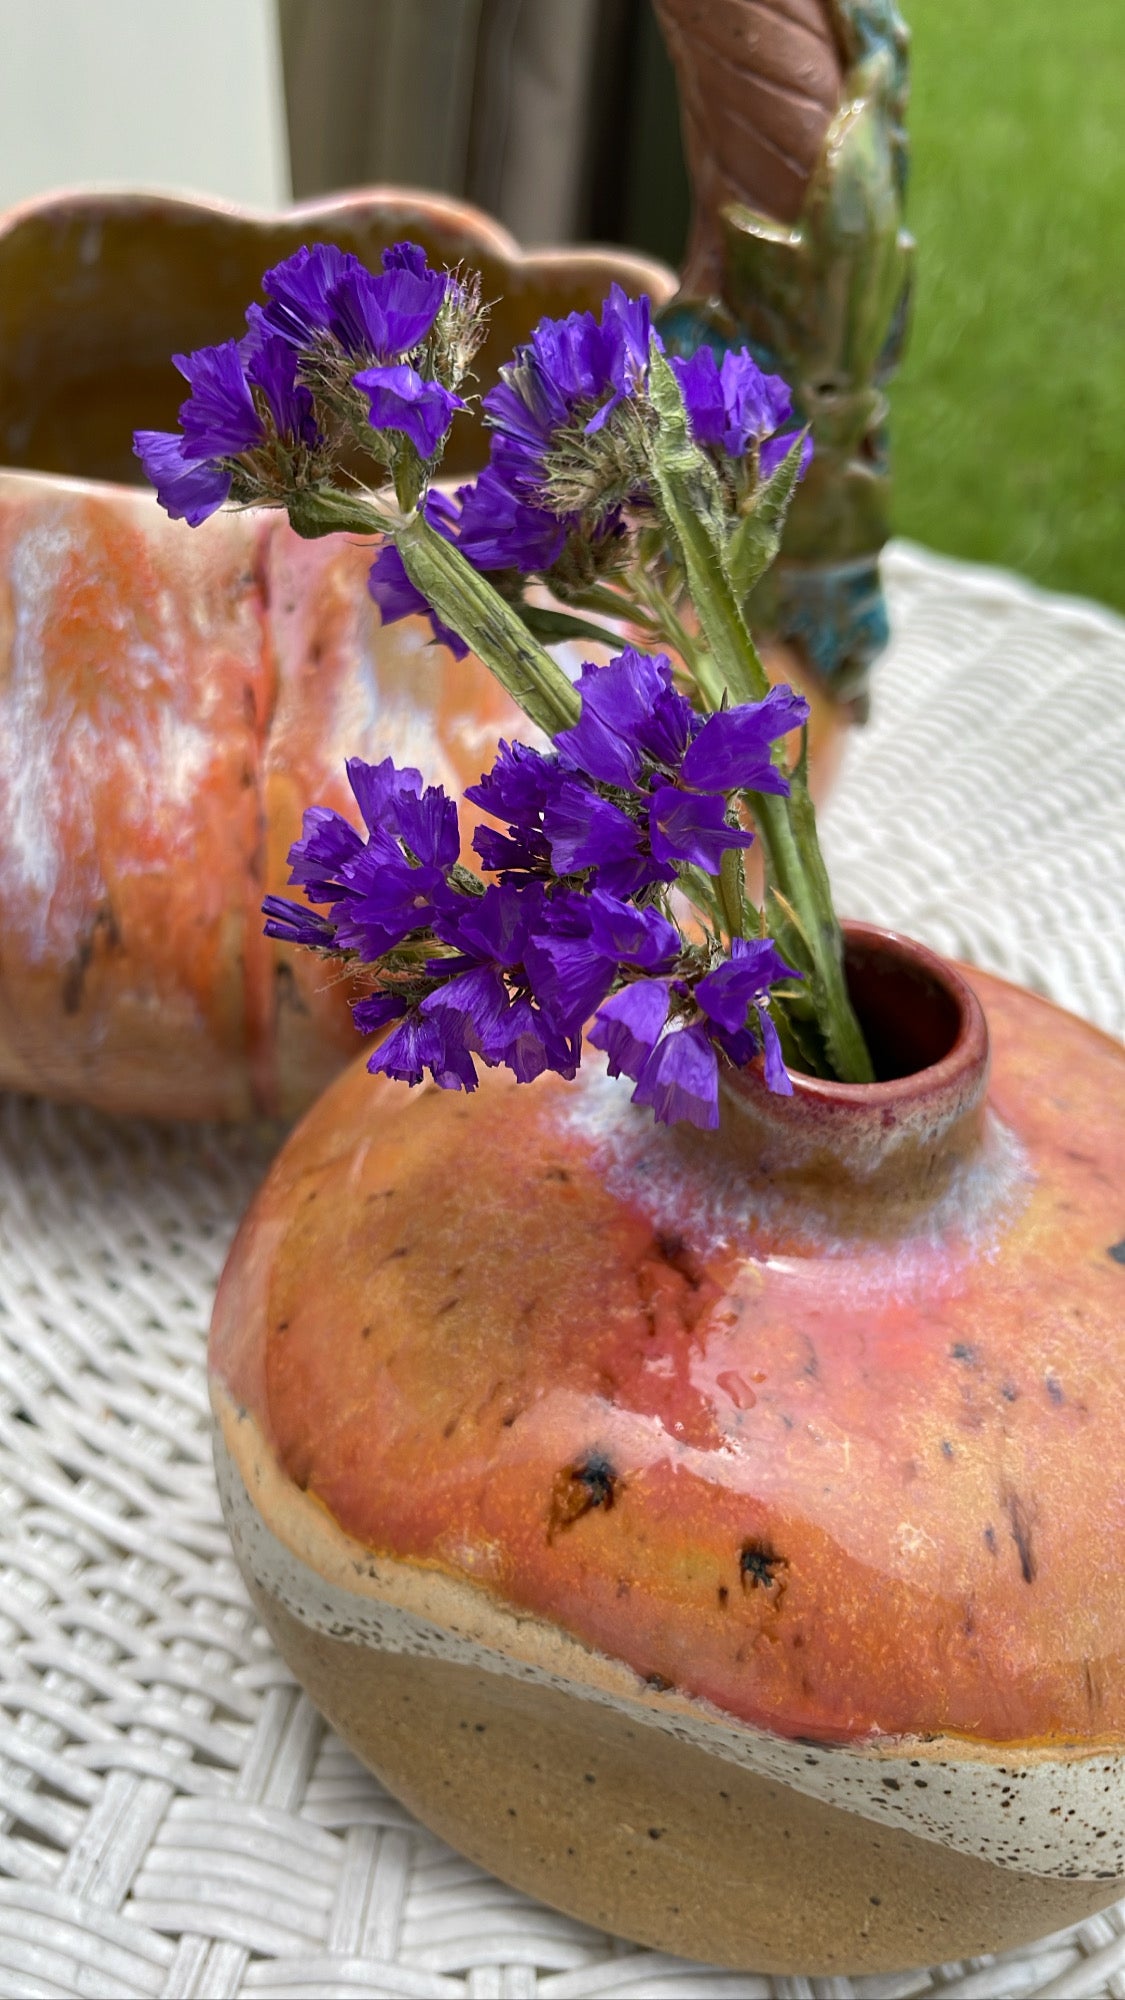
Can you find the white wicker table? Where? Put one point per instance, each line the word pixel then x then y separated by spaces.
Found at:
pixel 175 1819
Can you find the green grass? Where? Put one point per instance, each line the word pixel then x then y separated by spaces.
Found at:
pixel 1009 414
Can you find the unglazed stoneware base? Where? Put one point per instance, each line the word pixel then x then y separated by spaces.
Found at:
pixel 792 1448
pixel 625 1805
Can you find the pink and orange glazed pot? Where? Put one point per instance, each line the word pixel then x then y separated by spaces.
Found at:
pixel 721 1536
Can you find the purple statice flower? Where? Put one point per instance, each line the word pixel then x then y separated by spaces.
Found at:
pixel 379 891
pixel 638 785
pixel 398 883
pixel 582 945
pixel 470 993
pixel 572 371
pixel 626 329
pixel 523 971
pixel 407 257
pixel 632 717
pixel 271 366
pixel 480 1002
pixel 518 789
pixel 734 993
pixel 674 1059
pixel 487 997
pixel 392 589
pixel 673 1062
pixel 730 750
pixel 510 973
pixel 188 489
pixel 399 400
pixel 222 418
pixel 419 1043
pixel 528 788
pixel 630 1023
pixel 298 291
pixel 219 418
pixel 639 736
pixel 732 405
pixel 680 1079
pixel 323 289
pixel 385 313
pixel 294 923
pixel 497 530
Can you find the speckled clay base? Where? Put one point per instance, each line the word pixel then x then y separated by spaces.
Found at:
pixel 631 1808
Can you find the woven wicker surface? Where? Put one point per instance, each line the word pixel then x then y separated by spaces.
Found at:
pixel 174 1818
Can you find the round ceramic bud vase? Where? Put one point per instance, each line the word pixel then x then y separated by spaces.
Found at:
pixel 718 1535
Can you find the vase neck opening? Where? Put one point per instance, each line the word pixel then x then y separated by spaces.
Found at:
pixel 914 1015
pixel 898 1141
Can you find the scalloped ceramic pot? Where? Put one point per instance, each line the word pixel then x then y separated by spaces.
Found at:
pixel 719 1536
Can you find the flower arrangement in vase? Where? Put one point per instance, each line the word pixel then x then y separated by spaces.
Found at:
pixel 642 1415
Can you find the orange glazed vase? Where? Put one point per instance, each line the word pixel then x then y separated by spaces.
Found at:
pixel 720 1536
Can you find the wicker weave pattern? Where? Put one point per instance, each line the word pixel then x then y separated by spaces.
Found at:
pixel 174 1818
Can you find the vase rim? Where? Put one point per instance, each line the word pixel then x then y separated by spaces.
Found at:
pixel 965 1059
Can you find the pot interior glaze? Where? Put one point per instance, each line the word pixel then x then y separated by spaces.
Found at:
pixel 146 276
pixel 917 1009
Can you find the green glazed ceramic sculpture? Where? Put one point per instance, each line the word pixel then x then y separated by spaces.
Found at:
pixel 799 246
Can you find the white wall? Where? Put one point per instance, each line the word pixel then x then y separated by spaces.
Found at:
pixel 165 93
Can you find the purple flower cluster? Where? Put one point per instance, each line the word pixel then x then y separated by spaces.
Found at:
pixel 734 408
pixel 250 423
pixel 569 378
pixel 637 787
pixel 573 370
pixel 674 1060
pixel 571 928
pixel 244 395
pixel 464 972
pixel 374 317
pixel 248 394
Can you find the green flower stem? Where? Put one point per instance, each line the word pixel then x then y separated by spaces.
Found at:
pixel 462 599
pixel 730 889
pixel 690 501
pixel 795 866
pixel 660 616
pixel 325 510
pixel 600 598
